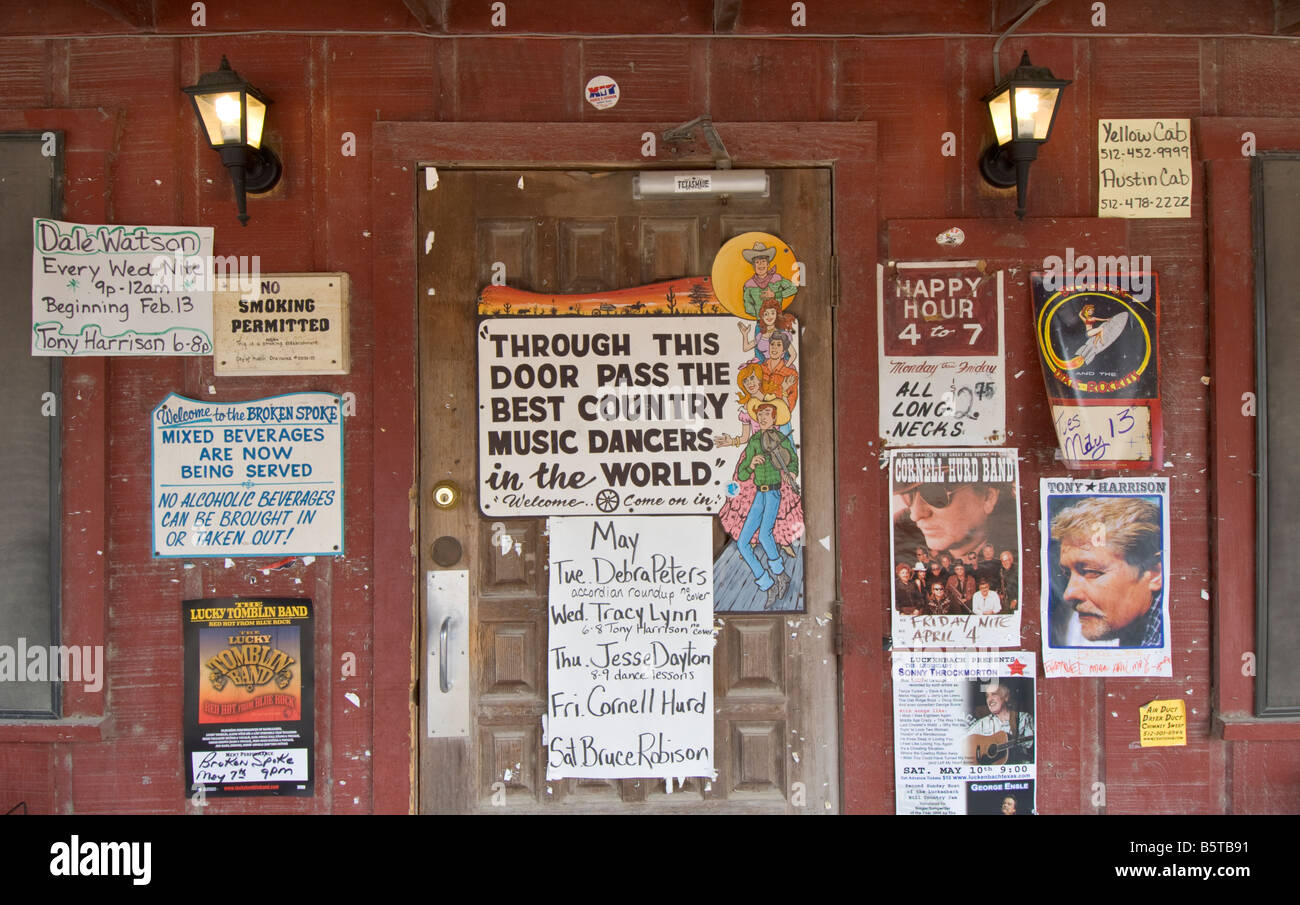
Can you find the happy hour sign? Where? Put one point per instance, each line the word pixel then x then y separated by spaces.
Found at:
pixel 630 647
pixel 257 478
pixel 942 350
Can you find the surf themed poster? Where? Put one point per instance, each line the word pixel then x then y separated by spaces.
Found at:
pixel 1097 340
pixel 249 704
pixel 672 398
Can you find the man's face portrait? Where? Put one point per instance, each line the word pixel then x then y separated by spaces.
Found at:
pixel 954 519
pixel 1106 591
pixel 936 591
pixel 1107 582
pixel 776 349
pixel 1008 806
pixel 996 702
pixel 904 573
pixel 1008 560
pixel 761 265
pixel 766 417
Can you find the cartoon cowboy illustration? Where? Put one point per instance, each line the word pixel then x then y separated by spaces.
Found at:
pixel 766 283
pixel 770 457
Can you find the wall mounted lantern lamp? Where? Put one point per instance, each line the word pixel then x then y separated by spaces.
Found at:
pixel 232 113
pixel 1023 108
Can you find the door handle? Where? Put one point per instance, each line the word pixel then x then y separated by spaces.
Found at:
pixel 444 670
pixel 446 637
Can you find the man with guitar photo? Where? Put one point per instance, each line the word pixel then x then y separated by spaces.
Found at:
pixel 1005 734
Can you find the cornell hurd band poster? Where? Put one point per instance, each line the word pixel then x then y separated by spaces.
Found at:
pixel 955 533
pixel 248 696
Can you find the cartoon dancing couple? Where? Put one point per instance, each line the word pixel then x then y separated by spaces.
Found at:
pixel 766 509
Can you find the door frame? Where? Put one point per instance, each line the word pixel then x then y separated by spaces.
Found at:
pixel 399 149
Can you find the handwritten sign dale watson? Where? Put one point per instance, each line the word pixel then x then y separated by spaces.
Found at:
pixel 291 323
pixel 120 290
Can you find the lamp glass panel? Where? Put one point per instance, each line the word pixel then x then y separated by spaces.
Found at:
pixel 1034 106
pixel 221 114
pixel 1000 111
pixel 256 116
pixel 1047 99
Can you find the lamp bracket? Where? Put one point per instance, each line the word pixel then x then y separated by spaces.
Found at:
pixel 685 132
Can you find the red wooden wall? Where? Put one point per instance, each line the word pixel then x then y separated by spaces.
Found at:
pixel 121 64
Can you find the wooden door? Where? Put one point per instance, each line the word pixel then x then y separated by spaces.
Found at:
pixel 775 675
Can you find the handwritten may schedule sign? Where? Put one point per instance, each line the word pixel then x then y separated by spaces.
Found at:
pixel 120 290
pixel 942 355
pixel 257 478
pixel 630 649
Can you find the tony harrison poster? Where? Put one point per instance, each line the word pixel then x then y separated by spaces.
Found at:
pixel 1105 606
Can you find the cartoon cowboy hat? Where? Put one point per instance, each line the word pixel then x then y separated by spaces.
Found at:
pixel 759 251
pixel 782 410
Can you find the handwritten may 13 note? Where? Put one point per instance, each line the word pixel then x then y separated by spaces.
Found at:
pixel 1103 432
pixel 630 650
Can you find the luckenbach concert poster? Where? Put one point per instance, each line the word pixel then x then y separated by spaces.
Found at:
pixel 964 732
pixel 249 714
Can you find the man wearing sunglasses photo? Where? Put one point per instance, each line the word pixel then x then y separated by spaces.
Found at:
pixel 957 519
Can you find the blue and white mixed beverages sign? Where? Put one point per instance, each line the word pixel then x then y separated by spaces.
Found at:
pixel 257 478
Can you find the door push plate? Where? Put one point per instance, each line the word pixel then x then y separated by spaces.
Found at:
pixel 446 656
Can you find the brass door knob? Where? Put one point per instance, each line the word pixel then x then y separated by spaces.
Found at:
pixel 446 494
